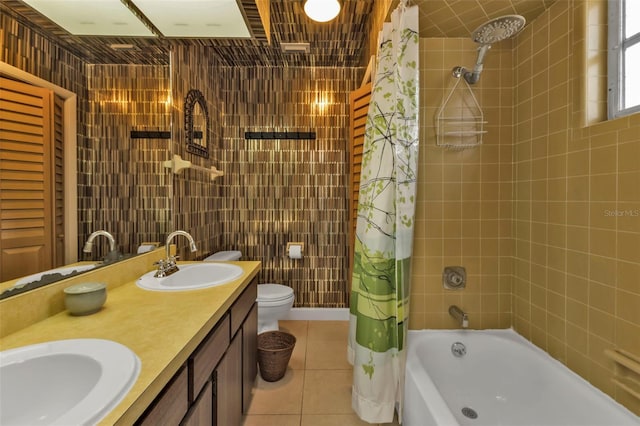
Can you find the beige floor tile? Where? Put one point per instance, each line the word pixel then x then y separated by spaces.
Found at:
pixel 328 330
pixel 327 355
pixel 298 329
pixel 332 420
pixel 272 420
pixel 327 392
pixel 281 397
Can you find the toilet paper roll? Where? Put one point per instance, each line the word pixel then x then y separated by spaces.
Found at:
pixel 295 251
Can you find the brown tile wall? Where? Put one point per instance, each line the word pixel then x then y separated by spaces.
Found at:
pixel 273 191
pixel 27 49
pixel 280 191
pixel 122 186
pixel 464 210
pixel 576 289
pixel 197 200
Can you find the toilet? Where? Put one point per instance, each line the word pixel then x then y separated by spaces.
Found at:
pixel 274 300
pixel 274 303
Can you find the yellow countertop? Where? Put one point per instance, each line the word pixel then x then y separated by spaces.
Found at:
pixel 162 328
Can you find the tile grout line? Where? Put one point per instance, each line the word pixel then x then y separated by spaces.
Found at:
pixel 304 369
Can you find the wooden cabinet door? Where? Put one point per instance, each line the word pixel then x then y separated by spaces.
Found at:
pixel 171 406
pixel 229 385
pixel 27 179
pixel 249 356
pixel 201 413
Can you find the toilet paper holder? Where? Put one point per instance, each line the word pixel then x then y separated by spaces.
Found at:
pixel 289 245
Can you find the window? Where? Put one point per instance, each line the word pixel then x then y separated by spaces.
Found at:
pixel 624 57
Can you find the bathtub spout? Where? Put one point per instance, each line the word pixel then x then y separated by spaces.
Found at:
pixel 459 315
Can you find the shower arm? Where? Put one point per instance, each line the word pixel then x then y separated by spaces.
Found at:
pixel 472 77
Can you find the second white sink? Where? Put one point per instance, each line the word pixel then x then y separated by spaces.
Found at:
pixel 191 276
pixel 64 382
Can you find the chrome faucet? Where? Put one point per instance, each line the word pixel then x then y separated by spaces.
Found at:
pixel 88 246
pixel 459 315
pixel 168 266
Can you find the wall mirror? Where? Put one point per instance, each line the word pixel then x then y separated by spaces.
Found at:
pixel 196 123
pixel 122 186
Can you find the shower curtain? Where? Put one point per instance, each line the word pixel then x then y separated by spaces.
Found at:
pixel 379 304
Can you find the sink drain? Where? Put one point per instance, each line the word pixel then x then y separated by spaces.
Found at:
pixel 470 413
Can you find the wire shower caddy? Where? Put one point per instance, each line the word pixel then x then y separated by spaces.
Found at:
pixel 460 121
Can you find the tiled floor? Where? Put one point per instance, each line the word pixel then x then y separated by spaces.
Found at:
pixel 316 389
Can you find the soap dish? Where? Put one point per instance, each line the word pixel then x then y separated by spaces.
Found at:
pixel 85 298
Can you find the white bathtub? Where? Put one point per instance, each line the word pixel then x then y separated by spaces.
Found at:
pixel 503 378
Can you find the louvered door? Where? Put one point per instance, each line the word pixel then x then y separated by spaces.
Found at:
pixel 359 106
pixel 58 137
pixel 26 179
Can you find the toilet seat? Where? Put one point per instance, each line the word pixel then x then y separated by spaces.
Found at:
pixel 270 293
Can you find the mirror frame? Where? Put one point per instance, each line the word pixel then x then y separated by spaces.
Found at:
pixel 195 96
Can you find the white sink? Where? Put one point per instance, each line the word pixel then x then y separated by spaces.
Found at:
pixel 65 270
pixel 64 382
pixel 191 276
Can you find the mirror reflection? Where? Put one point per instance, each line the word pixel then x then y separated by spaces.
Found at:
pixel 108 132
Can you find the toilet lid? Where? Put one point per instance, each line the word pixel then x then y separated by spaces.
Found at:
pixel 274 292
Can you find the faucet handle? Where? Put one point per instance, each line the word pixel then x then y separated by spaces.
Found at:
pixel 162 268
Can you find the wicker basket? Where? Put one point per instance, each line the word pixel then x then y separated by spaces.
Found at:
pixel 274 352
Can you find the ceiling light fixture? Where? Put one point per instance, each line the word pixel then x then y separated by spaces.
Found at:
pixel 104 18
pixel 322 10
pixel 147 18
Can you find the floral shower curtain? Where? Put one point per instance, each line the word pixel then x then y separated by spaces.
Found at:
pixel 379 304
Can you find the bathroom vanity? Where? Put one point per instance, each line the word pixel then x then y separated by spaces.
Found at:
pixel 197 348
pixel 214 386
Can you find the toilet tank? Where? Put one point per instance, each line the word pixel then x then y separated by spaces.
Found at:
pixel 225 255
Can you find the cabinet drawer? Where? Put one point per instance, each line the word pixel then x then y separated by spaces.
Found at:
pixel 243 305
pixel 172 405
pixel 206 357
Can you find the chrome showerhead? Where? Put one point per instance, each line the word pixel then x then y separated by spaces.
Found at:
pixel 498 29
pixel 495 30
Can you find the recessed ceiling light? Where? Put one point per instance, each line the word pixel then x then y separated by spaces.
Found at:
pixel 79 17
pixel 166 15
